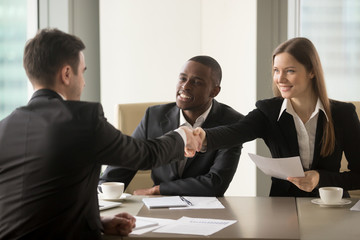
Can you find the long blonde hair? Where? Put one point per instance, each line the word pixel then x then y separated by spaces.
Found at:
pixel 304 51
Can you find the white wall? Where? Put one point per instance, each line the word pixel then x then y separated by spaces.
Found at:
pixel 143 45
pixel 229 35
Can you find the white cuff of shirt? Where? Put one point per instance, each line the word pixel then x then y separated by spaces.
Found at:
pixel 182 134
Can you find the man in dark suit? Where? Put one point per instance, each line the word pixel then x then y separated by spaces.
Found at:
pixel 51 150
pixel 207 174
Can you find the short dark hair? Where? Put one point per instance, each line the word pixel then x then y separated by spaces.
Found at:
pixel 48 52
pixel 212 64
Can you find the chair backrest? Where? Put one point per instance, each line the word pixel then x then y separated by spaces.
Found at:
pixel 127 118
pixel 344 162
pixel 129 115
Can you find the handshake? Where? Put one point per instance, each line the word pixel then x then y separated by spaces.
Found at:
pixel 195 140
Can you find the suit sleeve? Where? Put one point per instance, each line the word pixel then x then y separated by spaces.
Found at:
pixel 115 148
pixel 252 126
pixel 121 174
pixel 212 183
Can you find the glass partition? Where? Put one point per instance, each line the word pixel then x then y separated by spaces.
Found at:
pixel 334 27
pixel 17 20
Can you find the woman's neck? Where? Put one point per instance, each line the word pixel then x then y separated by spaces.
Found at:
pixel 304 107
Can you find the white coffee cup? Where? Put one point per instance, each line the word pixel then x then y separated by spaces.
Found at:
pixel 331 195
pixel 111 190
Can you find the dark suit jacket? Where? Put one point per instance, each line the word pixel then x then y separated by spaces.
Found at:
pixel 281 138
pixel 51 152
pixel 207 174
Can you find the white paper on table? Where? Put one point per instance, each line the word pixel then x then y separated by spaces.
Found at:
pixel 202 203
pixel 195 226
pixel 159 221
pixel 356 207
pixel 164 202
pixel 279 167
pixel 144 223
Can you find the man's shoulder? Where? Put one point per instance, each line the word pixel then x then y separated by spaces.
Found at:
pixel 83 105
pixel 162 107
pixel 226 111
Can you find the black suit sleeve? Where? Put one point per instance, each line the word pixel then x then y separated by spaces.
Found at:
pixel 254 125
pixel 114 148
pixel 121 174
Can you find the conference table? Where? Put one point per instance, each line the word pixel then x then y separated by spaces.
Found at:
pixel 257 218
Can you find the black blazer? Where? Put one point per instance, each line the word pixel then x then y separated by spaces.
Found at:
pixel 207 174
pixel 51 152
pixel 281 138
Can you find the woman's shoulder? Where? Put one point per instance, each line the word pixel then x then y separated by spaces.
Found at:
pixel 270 105
pixel 343 111
pixel 340 107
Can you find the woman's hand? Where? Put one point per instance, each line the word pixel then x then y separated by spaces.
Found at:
pixel 307 183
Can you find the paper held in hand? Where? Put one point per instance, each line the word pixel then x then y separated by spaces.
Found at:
pixel 279 167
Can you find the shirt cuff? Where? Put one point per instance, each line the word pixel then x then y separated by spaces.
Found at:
pixel 182 134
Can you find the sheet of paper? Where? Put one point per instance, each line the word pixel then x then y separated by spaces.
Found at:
pixel 103 205
pixel 164 202
pixel 279 167
pixel 144 223
pixel 159 221
pixel 195 226
pixel 356 207
pixel 202 203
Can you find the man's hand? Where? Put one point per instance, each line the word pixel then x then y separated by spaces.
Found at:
pixel 307 183
pixel 120 224
pixel 202 134
pixel 148 191
pixel 193 142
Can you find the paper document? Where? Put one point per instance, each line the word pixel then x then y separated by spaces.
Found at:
pixel 195 226
pixel 164 202
pixel 202 203
pixel 144 223
pixel 103 205
pixel 356 207
pixel 279 167
pixel 158 221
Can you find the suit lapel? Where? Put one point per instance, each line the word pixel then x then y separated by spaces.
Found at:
pixel 288 130
pixel 169 123
pixel 171 120
pixel 212 118
pixel 318 138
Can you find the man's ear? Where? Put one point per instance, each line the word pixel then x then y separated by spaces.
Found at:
pixel 215 91
pixel 65 75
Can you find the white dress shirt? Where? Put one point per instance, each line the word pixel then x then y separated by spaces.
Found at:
pixel 305 132
pixel 198 123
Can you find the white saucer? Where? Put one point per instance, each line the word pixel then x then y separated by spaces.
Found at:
pixel 339 204
pixel 122 197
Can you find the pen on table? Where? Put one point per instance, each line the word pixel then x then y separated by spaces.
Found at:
pixel 185 200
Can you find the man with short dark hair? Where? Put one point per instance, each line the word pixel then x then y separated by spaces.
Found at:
pixel 52 149
pixel 206 174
